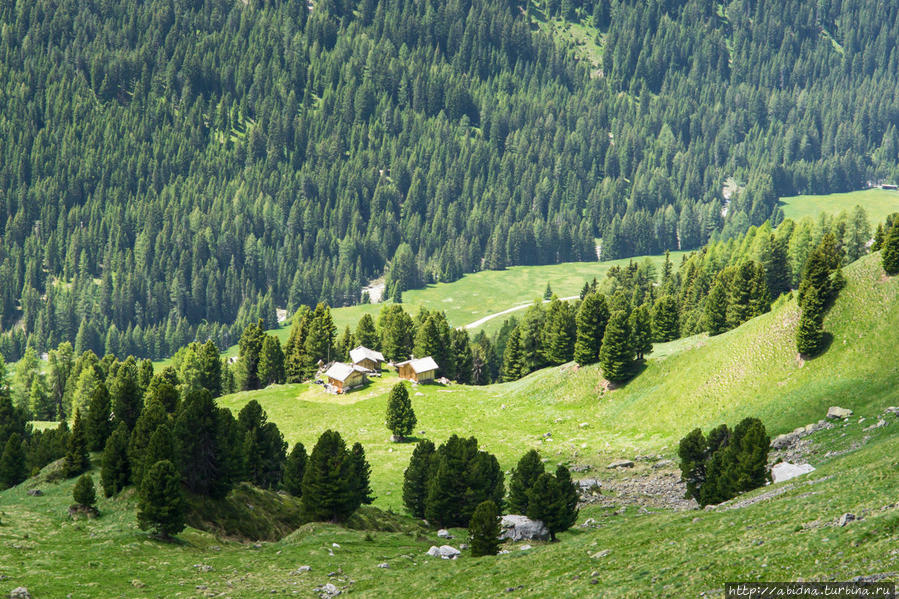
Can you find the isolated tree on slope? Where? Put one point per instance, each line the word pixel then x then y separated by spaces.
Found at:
pixel 77 458
pixel 84 493
pixel 400 415
pixel 810 333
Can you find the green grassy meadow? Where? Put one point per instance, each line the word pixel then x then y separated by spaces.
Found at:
pixel 878 203
pixel 788 534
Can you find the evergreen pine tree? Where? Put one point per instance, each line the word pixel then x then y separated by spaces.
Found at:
pixel 115 471
pixel 204 449
pixel 40 403
pixel 12 420
pixel 692 453
pixel 616 356
pixel 362 474
pixel 271 362
pixel 210 369
pixel 12 462
pixel 295 350
pixel 462 356
pixel 77 458
pixel 345 344
pixel 84 493
pixel 249 350
pixel 890 253
pixel 330 489
pixel 366 334
pixel 161 446
pixel 161 504
pixel 400 415
pixel 125 393
pixel 416 477
pixel 542 500
pixel 716 309
pixel 151 417
pixel 319 339
pixel 665 324
pixel 294 469
pixel 640 325
pixel 810 333
pixel 879 236
pixel 548 292
pixel 513 361
pixel 97 424
pixel 749 456
pixel 566 505
pixel 522 480
pixel 484 530
pixel 461 478
pixel 559 332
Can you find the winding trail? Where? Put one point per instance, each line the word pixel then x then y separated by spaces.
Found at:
pixel 480 321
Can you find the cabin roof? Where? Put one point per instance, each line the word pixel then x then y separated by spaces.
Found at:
pixel 340 371
pixel 420 365
pixel 361 353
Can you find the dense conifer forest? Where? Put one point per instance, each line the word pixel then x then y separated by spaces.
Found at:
pixel 173 170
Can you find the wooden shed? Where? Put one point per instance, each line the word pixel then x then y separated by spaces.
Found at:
pixel 420 370
pixel 367 358
pixel 345 377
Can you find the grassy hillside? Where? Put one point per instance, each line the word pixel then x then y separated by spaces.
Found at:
pixel 878 203
pixel 784 532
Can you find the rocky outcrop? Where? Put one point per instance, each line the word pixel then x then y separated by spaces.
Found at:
pixel 444 552
pixel 785 471
pixel 838 413
pixel 521 528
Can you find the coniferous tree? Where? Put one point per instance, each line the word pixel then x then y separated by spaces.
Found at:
pixel 616 356
pixel 125 393
pixel 115 471
pixel 12 462
pixel 640 325
pixel 84 493
pixel 295 350
pixel 77 458
pixel 397 332
pixel 151 417
pixel 525 474
pixel 40 404
pixel 484 530
pixel 559 333
pixel 294 469
pixel 810 333
pixel 462 356
pixel 401 418
pixel 97 424
pixel 362 474
pixel 210 369
pixel 547 293
pixel 592 317
pixel 461 478
pixel 716 309
pixel 416 477
pixel 249 350
pixel 890 253
pixel 271 362
pixel 320 338
pixel 665 324
pixel 161 446
pixel 12 420
pixel 513 361
pixel 330 489
pixel 161 504
pixel 346 343
pixel 203 448
pixel 366 334
pixel 692 453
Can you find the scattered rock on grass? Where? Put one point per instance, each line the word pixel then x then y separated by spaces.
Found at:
pixel 444 552
pixel 19 593
pixel 521 528
pixel 35 492
pixel 444 534
pixel 601 554
pixel 837 412
pixel 621 464
pixel 384 565
pixel 846 519
pixel 786 471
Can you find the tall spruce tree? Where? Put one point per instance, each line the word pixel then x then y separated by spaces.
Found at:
pixel 115 470
pixel 366 335
pixel 249 350
pixel 665 319
pixel 461 478
pixel 97 424
pixel 716 309
pixel 416 477
pixel 616 357
pixel 161 507
pixel 361 475
pixel 484 530
pixel 330 491
pixel 559 333
pixel 295 349
pixel 462 356
pixel 151 417
pixel 513 360
pixel 890 253
pixel 12 462
pixel 400 415
pixel 525 474
pixel 202 447
pixel 294 469
pixel 640 325
pixel 125 393
pixel 77 457
pixel 592 317
pixel 271 362
pixel 161 446
pixel 810 332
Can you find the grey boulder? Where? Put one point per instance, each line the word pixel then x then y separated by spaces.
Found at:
pixel 521 528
